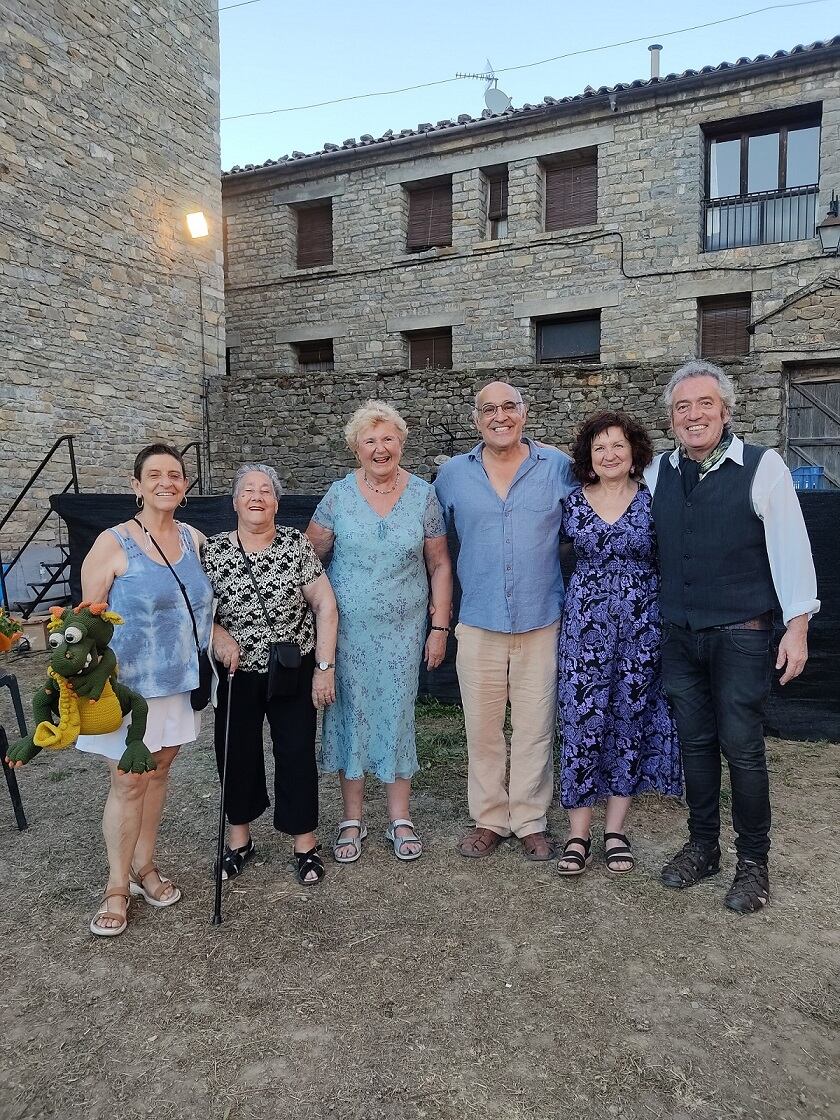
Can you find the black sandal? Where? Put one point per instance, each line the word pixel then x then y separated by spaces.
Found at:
pixel 580 861
pixel 306 862
pixel 618 854
pixel 234 859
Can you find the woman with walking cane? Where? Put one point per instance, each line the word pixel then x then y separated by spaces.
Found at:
pixel 275 629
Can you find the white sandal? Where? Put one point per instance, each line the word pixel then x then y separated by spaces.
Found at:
pixel 354 842
pixel 399 841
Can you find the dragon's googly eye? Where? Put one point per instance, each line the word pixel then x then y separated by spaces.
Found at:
pixel 56 640
pixel 72 635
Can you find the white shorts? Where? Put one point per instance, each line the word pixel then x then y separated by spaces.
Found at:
pixel 171 723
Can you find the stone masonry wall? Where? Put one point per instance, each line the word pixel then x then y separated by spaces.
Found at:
pixel 297 427
pixel 641 264
pixel 108 137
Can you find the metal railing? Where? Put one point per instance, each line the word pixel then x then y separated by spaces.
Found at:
pixel 765 218
pixel 199 476
pixel 42 588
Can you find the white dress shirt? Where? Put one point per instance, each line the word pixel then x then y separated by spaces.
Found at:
pixel 775 502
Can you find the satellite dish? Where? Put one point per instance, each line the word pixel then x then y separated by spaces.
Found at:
pixel 496 100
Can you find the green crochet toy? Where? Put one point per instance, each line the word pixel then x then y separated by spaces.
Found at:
pixel 83 695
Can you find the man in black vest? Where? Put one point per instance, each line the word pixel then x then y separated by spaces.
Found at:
pixel 732 546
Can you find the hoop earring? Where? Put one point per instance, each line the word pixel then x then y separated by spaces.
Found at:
pixel 139 500
pixel 183 503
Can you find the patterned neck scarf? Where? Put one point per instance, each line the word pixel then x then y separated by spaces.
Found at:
pixel 714 456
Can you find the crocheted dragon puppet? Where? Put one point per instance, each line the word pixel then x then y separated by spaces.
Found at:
pixel 82 695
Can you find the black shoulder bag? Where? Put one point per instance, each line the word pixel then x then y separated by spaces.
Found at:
pixel 284 658
pixel 200 696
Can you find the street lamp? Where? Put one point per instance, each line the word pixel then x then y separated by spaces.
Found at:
pixel 197 224
pixel 829 227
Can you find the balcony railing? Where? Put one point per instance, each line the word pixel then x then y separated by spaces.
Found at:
pixel 767 218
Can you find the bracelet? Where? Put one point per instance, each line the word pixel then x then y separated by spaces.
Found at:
pixel 444 628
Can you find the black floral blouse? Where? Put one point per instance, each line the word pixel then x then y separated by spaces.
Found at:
pixel 281 570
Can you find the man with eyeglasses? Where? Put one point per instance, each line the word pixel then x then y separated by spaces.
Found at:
pixel 505 501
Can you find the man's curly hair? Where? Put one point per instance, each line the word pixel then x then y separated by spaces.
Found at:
pixel 634 432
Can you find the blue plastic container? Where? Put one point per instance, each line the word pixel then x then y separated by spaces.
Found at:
pixel 809 478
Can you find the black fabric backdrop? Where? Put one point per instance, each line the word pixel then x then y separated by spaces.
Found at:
pixel 807 708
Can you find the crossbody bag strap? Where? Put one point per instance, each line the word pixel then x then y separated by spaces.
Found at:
pixel 177 580
pixel 249 568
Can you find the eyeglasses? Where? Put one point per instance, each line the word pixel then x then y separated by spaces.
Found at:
pixel 507 407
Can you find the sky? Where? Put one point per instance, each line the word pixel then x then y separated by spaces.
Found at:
pixel 278 53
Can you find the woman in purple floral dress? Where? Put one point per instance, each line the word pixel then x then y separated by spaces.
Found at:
pixel 617 737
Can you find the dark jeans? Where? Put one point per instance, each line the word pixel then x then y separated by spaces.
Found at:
pixel 718 682
pixel 291 721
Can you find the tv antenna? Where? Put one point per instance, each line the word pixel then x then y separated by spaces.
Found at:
pixel 496 100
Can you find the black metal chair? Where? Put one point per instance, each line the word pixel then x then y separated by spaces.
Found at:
pixel 8 680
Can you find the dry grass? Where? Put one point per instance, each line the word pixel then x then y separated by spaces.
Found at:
pixel 445 989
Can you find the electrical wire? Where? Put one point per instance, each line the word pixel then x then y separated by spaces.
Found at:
pixel 520 66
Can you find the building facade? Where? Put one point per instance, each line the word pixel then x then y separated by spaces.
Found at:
pixel 579 248
pixel 112 317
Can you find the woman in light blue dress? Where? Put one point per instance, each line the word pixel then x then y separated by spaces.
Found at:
pixel 390 571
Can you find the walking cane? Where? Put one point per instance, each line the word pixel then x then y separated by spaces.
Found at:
pixel 220 845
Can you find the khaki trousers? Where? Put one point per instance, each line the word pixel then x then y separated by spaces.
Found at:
pixel 494 668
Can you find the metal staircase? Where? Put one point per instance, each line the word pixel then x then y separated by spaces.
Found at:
pixel 45 592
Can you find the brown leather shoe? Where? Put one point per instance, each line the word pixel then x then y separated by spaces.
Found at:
pixel 538 846
pixel 479 842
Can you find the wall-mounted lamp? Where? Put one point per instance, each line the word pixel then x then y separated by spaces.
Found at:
pixel 829 228
pixel 197 224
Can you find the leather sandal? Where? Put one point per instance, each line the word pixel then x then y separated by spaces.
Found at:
pixel 114 931
pixel 234 859
pixel 400 841
pixel 479 842
pixel 306 862
pixel 619 854
pixel 538 847
pixel 579 862
pixel 153 897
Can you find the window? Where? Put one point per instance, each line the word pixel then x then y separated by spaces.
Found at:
pixel 429 216
pixel 430 349
pixel 315 355
pixel 314 235
pixel 497 202
pixel 571 190
pixel 570 338
pixel 723 326
pixel 762 177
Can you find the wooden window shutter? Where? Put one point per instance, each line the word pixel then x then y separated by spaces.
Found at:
pixel 723 326
pixel 571 192
pixel 497 206
pixel 314 236
pixel 430 350
pixel 429 217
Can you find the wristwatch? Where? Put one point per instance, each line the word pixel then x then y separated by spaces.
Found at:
pixel 324 665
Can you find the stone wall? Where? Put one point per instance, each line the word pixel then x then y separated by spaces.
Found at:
pixel 641 264
pixel 297 426
pixel 108 137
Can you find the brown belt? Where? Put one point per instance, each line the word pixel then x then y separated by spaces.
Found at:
pixel 760 622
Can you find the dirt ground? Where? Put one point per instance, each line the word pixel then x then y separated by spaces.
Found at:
pixel 445 989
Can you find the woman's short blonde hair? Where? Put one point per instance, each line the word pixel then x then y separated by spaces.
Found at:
pixel 370 413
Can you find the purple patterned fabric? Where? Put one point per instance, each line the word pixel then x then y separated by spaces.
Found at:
pixel 617 737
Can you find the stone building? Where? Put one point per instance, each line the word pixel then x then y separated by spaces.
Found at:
pixel 580 248
pixel 111 315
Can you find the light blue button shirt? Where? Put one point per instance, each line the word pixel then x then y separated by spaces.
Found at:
pixel 509 559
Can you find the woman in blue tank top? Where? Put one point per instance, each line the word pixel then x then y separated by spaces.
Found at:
pixel 157 657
